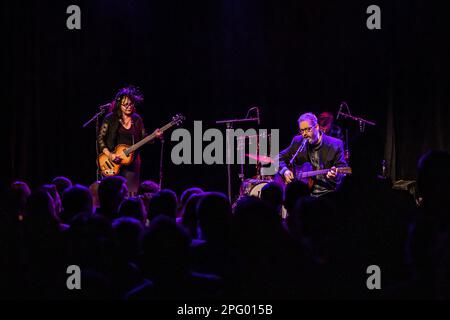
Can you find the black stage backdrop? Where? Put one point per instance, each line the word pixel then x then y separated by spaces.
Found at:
pixel 212 60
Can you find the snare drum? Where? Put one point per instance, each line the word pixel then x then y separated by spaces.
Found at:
pixel 253 187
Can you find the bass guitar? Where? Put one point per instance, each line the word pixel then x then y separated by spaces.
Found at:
pixel 110 168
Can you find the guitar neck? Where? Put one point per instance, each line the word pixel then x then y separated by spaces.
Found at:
pixel 147 139
pixel 308 174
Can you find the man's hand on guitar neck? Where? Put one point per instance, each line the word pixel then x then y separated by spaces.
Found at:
pixel 331 174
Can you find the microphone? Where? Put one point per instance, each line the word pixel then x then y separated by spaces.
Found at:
pixel 300 149
pixel 339 112
pixel 340 109
pixel 105 106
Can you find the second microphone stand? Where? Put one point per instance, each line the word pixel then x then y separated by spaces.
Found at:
pixel 229 124
pixel 362 125
pixel 103 110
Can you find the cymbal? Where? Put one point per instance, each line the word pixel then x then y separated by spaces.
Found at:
pixel 260 158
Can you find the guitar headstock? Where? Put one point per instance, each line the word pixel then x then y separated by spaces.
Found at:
pixel 344 170
pixel 178 119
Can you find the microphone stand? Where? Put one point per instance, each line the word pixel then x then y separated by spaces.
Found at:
pixel 161 163
pixel 229 123
pixel 362 122
pixel 103 109
pixel 362 125
pixel 346 151
pixel 241 146
pixel 300 149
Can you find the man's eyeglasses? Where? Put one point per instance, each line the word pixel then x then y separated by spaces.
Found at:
pixel 307 130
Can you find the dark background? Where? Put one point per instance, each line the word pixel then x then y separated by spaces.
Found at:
pixel 212 60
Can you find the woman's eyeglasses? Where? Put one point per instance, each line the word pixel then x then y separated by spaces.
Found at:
pixel 127 105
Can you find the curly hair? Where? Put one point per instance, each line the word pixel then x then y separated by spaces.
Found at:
pixel 133 93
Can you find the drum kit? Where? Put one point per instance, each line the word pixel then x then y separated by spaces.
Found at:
pixel 254 186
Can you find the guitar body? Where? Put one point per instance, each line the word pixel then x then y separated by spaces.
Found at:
pixel 305 167
pixel 297 170
pixel 109 168
pixel 306 174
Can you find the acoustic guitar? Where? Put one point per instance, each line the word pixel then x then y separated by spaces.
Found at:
pixel 306 173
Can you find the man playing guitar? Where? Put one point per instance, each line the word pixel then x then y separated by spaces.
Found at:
pixel 314 148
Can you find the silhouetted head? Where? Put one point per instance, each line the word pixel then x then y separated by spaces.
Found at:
pixel 40 210
pixel 163 202
pixel 128 232
pixel 61 183
pixel 273 193
pixel 134 208
pixel 255 223
pixel 75 200
pixel 187 193
pixel 185 196
pixel 190 218
pixel 313 217
pixel 433 178
pixel 17 199
pixel 51 189
pixel 214 214
pixel 148 186
pixel 165 248
pixel 294 191
pixel 111 192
